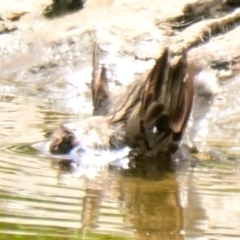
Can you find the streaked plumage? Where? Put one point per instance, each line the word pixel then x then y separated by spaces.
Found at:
pixel 150 114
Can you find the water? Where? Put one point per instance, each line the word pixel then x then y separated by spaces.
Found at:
pixel 41 199
pixel 37 197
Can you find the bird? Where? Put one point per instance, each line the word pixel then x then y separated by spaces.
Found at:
pixel 149 115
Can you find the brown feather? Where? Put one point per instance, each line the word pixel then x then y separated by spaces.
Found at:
pixel 164 107
pixel 99 85
pixel 150 114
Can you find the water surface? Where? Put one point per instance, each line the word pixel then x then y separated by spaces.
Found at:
pixel 41 199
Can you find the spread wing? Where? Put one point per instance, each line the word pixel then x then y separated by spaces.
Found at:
pixel 159 119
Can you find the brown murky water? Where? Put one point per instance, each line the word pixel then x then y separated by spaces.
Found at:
pixel 40 199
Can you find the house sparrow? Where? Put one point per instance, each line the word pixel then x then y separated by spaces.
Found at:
pixel 150 115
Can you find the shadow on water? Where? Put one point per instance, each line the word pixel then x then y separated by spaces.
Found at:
pixel 41 199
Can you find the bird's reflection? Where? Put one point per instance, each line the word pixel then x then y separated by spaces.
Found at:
pixel 147 193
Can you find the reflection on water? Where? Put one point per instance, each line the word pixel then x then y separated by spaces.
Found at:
pixel 41 199
pixel 209 196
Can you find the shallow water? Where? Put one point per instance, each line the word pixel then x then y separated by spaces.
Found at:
pixel 41 199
